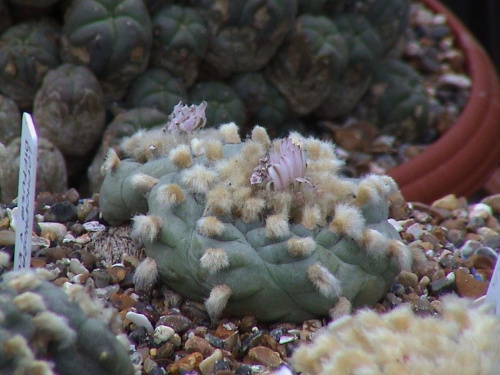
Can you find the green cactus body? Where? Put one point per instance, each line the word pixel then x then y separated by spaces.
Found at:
pixel 123 125
pixel 43 329
pixel 245 34
pixel 180 41
pixel 309 63
pixel 69 109
pixel 224 104
pixel 27 52
pixel 10 120
pixel 263 102
pixel 388 17
pixel 399 101
pixel 214 233
pixel 156 88
pixel 112 38
pixel 364 51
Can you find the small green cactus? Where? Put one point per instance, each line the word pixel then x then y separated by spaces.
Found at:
pixel 69 109
pixel 308 63
pixel 252 227
pixel 264 104
pixel 397 101
pixel 156 88
pixel 44 330
pixel 112 38
pixel 27 52
pixel 180 41
pixel 123 125
pixel 245 34
pixel 224 104
pixel 10 120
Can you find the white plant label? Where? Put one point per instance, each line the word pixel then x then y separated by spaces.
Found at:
pixel 493 293
pixel 26 193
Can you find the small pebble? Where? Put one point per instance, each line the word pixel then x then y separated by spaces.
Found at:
pixel 163 333
pixel 140 320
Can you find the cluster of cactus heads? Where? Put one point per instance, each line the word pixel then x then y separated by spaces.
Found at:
pixel 276 63
pixel 254 226
pixel 47 330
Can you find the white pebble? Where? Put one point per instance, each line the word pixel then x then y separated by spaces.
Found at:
pixel 415 230
pixel 163 334
pixel 140 321
pixel 76 267
pixel 94 226
pixel 481 210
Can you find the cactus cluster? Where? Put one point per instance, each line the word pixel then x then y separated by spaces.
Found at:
pixel 274 63
pixel 254 226
pixel 461 339
pixel 47 330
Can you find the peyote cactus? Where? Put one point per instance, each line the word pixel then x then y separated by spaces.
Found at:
pixel 51 173
pixel 123 125
pixel 10 120
pixel 44 330
pixel 224 104
pixel 308 63
pixel 252 227
pixel 156 88
pixel 69 109
pixel 112 38
pixel 264 104
pixel 397 102
pixel 180 41
pixel 461 339
pixel 245 34
pixel 27 51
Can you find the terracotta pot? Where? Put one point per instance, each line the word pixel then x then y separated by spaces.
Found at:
pixel 463 159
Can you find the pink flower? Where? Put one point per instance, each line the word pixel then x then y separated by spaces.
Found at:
pixel 282 168
pixel 187 119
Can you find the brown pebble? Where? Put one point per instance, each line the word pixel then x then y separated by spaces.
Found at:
pixel 493 201
pixel 186 364
pixel 38 263
pixel 177 322
pixel 7 238
pixel 122 301
pixel 117 273
pixel 54 254
pixel 60 281
pixel 165 352
pixel 408 279
pixel 456 236
pixel 448 202
pixel 467 286
pixel 4 223
pixel 200 345
pixel 86 258
pixel 264 356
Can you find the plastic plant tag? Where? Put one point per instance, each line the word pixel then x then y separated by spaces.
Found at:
pixel 26 193
pixel 493 293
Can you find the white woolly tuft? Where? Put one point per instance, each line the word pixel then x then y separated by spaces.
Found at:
pixel 146 227
pixel 197 146
pixel 259 134
pixel 210 226
pixel 219 201
pixel 311 216
pixel 4 259
pixel 143 183
pixel 214 260
pixel 111 162
pixel 181 157
pixel 326 283
pixel 17 344
pixel 54 327
pixel 229 133
pixel 24 282
pixel 348 221
pixel 146 274
pixel 367 192
pixel 213 150
pixel 29 302
pixel 401 253
pixel 252 208
pixel 277 226
pixel 299 247
pixel 343 307
pixel 171 194
pixel 217 300
pixel 374 242
pixel 198 178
